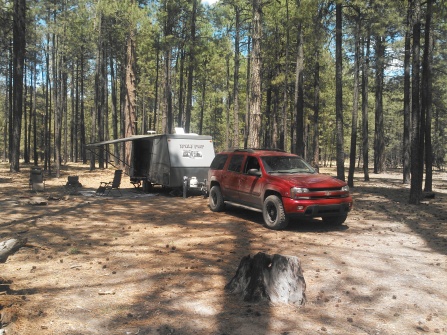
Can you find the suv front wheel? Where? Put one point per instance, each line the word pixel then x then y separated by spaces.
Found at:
pixel 274 214
pixel 216 201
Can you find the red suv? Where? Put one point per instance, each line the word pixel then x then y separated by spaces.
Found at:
pixel 278 184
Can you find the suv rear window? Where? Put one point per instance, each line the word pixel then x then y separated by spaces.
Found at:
pixel 218 162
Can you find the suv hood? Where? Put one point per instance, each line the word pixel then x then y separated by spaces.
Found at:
pixel 310 180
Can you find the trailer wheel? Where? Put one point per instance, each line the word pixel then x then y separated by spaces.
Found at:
pixel 216 201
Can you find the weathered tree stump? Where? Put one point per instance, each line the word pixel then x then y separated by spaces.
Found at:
pixel 9 247
pixel 277 278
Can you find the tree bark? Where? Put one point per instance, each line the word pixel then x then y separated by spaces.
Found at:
pixel 82 115
pixel 115 118
pixel 406 146
pixel 365 127
pixel 427 96
pixel 237 28
pixel 248 93
pixel 167 117
pixel 299 94
pixel 416 150
pixel 191 66
pixel 379 143
pixel 339 93
pixel 285 102
pixel 99 89
pixel 9 247
pixel 277 279
pixel 254 135
pixel 355 101
pixel 130 104
pixel 19 43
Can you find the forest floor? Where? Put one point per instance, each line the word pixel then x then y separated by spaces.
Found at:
pixel 158 264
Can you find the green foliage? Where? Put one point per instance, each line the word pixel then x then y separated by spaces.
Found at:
pixel 70 32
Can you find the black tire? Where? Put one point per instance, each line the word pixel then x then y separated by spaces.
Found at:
pixel 335 220
pixel 273 212
pixel 216 201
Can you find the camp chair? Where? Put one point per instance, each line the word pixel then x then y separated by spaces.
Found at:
pixel 72 185
pixel 136 182
pixel 106 187
pixel 36 179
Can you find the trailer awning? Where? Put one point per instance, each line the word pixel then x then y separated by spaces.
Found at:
pixel 119 140
pixel 140 137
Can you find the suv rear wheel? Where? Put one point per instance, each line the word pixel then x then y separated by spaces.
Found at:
pixel 216 199
pixel 274 214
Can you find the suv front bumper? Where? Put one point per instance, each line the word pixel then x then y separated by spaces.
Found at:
pixel 321 208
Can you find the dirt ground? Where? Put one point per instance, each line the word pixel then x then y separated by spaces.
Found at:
pixel 158 264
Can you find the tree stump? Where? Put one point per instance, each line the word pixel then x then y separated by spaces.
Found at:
pixel 277 278
pixel 9 247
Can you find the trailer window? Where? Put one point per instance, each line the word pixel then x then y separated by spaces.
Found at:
pixel 218 162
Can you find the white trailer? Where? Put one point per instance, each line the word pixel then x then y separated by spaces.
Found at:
pixel 173 161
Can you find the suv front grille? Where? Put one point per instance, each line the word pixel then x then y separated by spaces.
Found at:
pixel 331 193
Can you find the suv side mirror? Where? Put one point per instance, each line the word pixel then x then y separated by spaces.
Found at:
pixel 254 172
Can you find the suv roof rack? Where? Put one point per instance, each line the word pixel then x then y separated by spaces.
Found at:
pixel 257 149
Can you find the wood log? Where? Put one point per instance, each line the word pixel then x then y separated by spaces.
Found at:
pixel 9 247
pixel 277 279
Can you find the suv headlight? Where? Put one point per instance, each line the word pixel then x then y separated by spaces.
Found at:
pixel 345 188
pixel 297 192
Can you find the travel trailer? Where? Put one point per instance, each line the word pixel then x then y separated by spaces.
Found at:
pixel 172 161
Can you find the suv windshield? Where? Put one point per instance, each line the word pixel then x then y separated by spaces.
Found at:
pixel 285 164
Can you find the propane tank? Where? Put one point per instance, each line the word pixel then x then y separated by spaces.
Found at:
pixel 193 182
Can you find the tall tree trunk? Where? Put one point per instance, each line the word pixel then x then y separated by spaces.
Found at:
pixel 427 96
pixel 379 143
pixel 47 118
pixel 115 109
pixel 416 150
pixel 130 104
pixel 254 135
pixel 355 101
pixel 316 117
pixel 237 11
pixel 299 93
pixel 248 99
pixel 34 131
pixel 157 76
pixel 267 138
pixel 74 108
pixel 19 34
pixel 181 104
pixel 228 103
pixel 82 115
pixel 202 105
pixel 25 119
pixel 365 126
pixel 191 66
pixel 339 93
pixel 285 103
pixel 166 123
pixel 316 103
pixel 406 146
pixel 106 103
pixel 10 107
pixel 99 90
pixel 58 120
